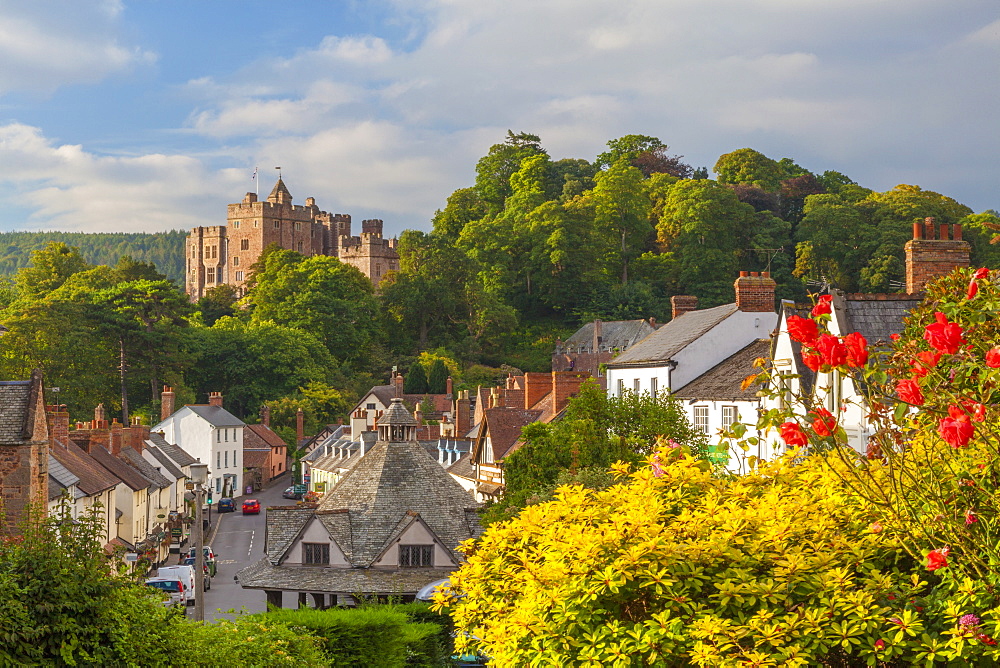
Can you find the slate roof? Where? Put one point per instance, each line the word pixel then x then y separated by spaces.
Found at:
pixel 120 469
pixel 217 416
pixel 15 398
pixel 392 479
pixel 282 525
pixel 60 479
pixel 671 338
pixel 164 461
pixel 722 382
pixel 385 394
pixel 619 334
pixel 93 477
pixel 347 581
pixel 174 452
pixel 463 467
pixel 504 427
pixel 139 463
pixel 877 316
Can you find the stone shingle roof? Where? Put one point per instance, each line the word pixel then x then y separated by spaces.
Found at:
pixel 282 525
pixel 131 477
pixel 621 334
pixel 175 452
pixel 93 477
pixel 164 461
pixel 395 478
pixel 667 341
pixel 60 478
pixel 217 416
pixel 139 463
pixel 346 581
pixel 877 316
pixel 15 396
pixel 723 381
pixel 463 467
pixel 386 393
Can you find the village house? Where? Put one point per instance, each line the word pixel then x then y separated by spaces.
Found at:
pixel 24 445
pixel 596 343
pixel 391 526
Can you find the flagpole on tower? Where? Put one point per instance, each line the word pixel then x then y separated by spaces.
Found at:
pixel 256 182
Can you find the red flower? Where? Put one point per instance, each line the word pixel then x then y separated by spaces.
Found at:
pixel 976 410
pixel 926 360
pixel 824 423
pixel 982 272
pixel 793 435
pixel 803 330
pixel 822 306
pixel 879 645
pixel 831 350
pixel 876 527
pixel 857 350
pixel 937 559
pixel 993 357
pixel 956 429
pixel 973 290
pixel 985 639
pixel 944 336
pixel 812 360
pixel 894 337
pixel 970 516
pixel 908 390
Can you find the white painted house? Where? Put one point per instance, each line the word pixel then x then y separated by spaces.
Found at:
pixel 213 436
pixel 694 341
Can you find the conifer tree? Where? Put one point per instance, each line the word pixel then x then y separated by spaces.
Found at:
pixel 437 378
pixel 416 380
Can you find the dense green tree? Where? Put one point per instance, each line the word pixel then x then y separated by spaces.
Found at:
pixel 416 379
pixel 648 154
pixel 50 267
pixel 462 207
pixel 621 219
pixel 749 167
pixel 493 171
pixel 218 302
pixel 437 377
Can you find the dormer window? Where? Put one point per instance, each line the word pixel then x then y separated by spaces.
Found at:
pixel 316 554
pixel 416 556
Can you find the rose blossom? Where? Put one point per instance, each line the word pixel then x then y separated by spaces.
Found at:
pixel 925 361
pixel 956 429
pixel 937 559
pixel 993 357
pixel 831 350
pixel 803 330
pixel 824 424
pixel 908 390
pixel 822 306
pixel 857 350
pixel 793 435
pixel 944 336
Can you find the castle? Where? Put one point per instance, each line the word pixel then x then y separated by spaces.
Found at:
pixel 223 254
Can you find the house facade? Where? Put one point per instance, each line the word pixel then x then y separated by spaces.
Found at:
pixel 24 445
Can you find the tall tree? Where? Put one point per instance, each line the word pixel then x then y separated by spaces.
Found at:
pixel 493 171
pixel 416 379
pixel 622 211
pixel 749 167
pixel 437 377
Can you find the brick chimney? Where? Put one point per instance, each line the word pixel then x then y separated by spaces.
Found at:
pixel 755 293
pixel 565 384
pixel 418 415
pixel 536 386
pixel 933 252
pixel 99 415
pixel 117 434
pixel 215 399
pixel 463 414
pixel 265 416
pixel 136 434
pixel 448 387
pixel 598 337
pixel 300 428
pixel 58 423
pixel 681 304
pixel 167 399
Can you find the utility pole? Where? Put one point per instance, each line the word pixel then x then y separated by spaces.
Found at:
pixel 199 474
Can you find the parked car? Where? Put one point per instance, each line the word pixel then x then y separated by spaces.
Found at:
pixel 177 593
pixel 189 561
pixel 209 558
pixel 251 507
pixel 226 505
pixel 290 493
pixel 183 573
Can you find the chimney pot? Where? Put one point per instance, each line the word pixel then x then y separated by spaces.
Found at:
pixel 744 273
pixel 956 232
pixel 918 230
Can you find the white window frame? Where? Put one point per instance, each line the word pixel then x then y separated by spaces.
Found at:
pixel 701 419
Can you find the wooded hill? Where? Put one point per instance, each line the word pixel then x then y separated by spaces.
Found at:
pixel 163 249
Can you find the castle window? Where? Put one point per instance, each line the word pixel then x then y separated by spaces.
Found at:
pixel 298 226
pixel 315 553
pixel 236 224
pixel 244 244
pixel 416 556
pixel 215 252
pixel 236 261
pixel 255 223
pixel 277 224
pixel 239 276
pixel 210 278
pixel 194 252
pixel 208 252
pixel 300 247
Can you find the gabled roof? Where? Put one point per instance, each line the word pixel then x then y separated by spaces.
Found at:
pixel 395 478
pixel 175 452
pixel 93 477
pixel 280 193
pixel 723 381
pixel 463 467
pixel 168 465
pixel 217 416
pixel 620 334
pixel 503 425
pixel 17 407
pixel 139 463
pixel 260 436
pixel 673 337
pixel 385 394
pixel 120 469
pixel 284 523
pixel 60 478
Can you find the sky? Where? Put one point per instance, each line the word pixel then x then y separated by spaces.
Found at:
pixel 143 116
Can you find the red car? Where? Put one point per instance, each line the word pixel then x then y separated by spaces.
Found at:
pixel 251 507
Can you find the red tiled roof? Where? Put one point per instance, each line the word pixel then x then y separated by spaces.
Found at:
pixel 94 478
pixel 259 436
pixel 503 426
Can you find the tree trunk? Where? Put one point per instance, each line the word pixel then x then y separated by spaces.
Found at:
pixel 121 369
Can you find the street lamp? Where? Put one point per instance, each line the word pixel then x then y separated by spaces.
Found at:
pixel 199 476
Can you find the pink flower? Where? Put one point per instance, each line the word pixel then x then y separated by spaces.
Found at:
pixel 956 429
pixel 968 620
pixel 944 336
pixel 937 559
pixel 657 469
pixel 793 435
pixel 876 527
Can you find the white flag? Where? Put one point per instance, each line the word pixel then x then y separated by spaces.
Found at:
pixel 253 177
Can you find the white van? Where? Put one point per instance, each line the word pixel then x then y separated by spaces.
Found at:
pixel 183 573
pixel 173 587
